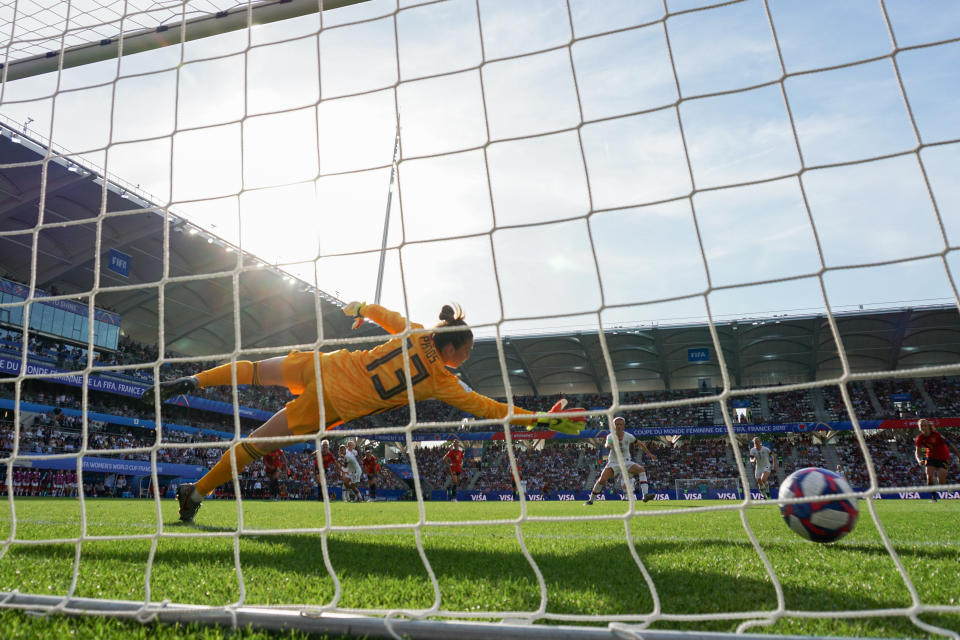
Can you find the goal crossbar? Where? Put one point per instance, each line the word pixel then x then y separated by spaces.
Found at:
pixel 164 35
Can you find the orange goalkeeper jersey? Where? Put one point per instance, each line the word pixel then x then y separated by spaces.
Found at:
pixel 360 383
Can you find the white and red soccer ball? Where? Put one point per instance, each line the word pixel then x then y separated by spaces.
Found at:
pixel 825 520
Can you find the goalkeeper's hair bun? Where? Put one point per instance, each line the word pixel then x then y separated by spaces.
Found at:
pixel 452 316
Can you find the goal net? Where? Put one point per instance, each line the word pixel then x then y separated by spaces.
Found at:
pixel 717 219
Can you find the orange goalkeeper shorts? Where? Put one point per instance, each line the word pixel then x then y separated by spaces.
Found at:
pixel 303 412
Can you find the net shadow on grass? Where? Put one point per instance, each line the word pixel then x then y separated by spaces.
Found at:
pixel 44 569
pixel 196 571
pixel 385 571
pixel 197 526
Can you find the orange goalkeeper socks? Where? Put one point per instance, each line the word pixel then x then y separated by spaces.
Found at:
pixel 222 376
pixel 222 472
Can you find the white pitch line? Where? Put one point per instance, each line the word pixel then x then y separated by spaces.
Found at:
pixel 451 532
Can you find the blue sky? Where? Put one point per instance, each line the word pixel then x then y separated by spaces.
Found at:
pixel 545 171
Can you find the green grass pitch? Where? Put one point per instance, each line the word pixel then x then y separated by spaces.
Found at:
pixel 700 561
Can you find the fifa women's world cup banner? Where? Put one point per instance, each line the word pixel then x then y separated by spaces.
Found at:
pixel 124 387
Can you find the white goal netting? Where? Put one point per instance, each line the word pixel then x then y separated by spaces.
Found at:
pixel 641 187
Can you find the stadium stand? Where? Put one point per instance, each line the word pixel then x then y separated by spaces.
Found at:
pixel 558 466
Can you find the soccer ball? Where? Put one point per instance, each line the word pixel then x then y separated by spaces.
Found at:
pixel 827 520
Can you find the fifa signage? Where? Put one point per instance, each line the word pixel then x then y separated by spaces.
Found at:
pixel 119 262
pixel 701 354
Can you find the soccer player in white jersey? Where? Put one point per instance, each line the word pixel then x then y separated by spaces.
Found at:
pixel 623 440
pixel 763 462
pixel 351 470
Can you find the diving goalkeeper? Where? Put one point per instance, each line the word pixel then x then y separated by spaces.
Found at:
pixel 354 384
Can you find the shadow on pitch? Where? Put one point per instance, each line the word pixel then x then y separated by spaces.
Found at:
pixel 586 579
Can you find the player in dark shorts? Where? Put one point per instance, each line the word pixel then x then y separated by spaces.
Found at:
pixel 273 463
pixel 371 467
pixel 937 459
pixel 454 460
pixel 328 459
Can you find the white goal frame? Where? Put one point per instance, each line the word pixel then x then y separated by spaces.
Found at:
pixel 415 624
pixel 171 29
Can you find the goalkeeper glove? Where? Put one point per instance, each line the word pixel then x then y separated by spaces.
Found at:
pixel 571 426
pixel 354 310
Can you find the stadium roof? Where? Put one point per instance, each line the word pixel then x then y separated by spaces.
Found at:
pixel 763 351
pixel 198 311
pixel 276 310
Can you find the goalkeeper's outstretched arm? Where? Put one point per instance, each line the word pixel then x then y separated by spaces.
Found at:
pixel 454 349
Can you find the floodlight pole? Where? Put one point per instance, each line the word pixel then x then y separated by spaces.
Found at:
pixel 386 216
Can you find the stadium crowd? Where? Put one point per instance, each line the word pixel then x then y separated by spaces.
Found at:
pixel 555 466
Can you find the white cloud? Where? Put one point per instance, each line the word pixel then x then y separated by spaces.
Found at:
pixel 849 114
pixel 438 39
pixel 635 160
pixel 872 212
pixel 441 114
pixel 445 197
pixel 513 28
pixel 611 82
pixel 530 95
pixel 648 253
pixel 739 137
pixel 538 179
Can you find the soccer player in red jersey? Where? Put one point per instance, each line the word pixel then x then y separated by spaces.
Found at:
pixel 454 460
pixel 937 459
pixel 327 458
pixel 273 463
pixel 371 467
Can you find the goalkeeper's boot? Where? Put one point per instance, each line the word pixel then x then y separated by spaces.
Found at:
pixel 589 501
pixel 188 508
pixel 648 497
pixel 178 387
